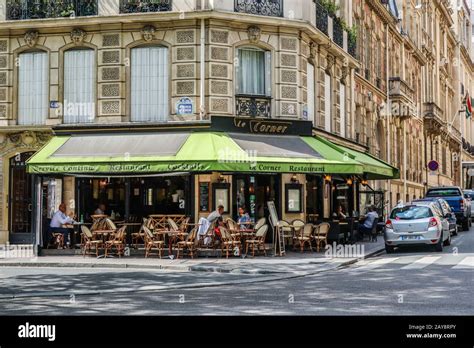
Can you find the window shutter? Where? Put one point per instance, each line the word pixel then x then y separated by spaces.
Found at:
pixel 268 73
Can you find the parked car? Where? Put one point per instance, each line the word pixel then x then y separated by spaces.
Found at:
pixel 455 198
pixel 416 224
pixel 446 210
pixel 469 195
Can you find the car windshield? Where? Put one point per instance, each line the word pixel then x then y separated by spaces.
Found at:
pixel 443 192
pixel 411 212
pixel 469 194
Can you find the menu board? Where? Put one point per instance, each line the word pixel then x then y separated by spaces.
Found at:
pixel 204 196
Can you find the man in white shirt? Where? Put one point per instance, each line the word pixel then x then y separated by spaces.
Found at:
pixel 59 220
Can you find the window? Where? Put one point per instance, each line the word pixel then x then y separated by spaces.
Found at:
pixel 79 86
pixel 328 102
pixel 311 93
pixel 33 88
pixel 342 105
pixel 149 84
pixel 253 72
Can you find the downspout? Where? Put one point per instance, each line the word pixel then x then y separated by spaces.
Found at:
pixel 202 101
pixel 388 184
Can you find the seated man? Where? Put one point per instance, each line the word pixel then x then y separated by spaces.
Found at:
pixel 215 216
pixel 59 219
pixel 244 219
pixel 366 227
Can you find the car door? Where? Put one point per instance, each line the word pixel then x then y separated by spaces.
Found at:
pixel 444 221
pixel 448 212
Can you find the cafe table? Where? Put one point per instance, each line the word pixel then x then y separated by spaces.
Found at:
pixel 75 227
pixel 172 237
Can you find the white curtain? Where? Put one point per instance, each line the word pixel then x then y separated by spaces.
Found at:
pixel 33 84
pixel 311 92
pixel 79 86
pixel 149 84
pixel 252 74
pixel 342 103
pixel 328 103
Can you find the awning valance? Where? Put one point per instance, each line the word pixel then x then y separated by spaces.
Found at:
pixel 190 152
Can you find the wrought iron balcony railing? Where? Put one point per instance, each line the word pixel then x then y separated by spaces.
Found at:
pixel 272 8
pixel 322 14
pixel 338 32
pixel 138 6
pixel 36 9
pixel 253 106
pixel 352 46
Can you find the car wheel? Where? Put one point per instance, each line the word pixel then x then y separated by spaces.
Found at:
pixel 439 245
pixel 465 225
pixel 455 232
pixel 447 242
pixel 389 249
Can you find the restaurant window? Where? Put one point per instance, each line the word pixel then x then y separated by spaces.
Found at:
pixel 311 93
pixel 149 84
pixel 79 86
pixel 328 102
pixel 33 88
pixel 253 72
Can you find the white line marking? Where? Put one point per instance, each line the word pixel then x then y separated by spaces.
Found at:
pixel 467 262
pixel 422 263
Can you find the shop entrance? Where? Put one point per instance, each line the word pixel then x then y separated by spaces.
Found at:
pixel 20 200
pixel 253 192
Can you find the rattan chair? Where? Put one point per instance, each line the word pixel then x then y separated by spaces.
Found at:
pixel 304 237
pixel 189 244
pixel 88 242
pixel 228 243
pixel 258 242
pixel 117 242
pixel 321 234
pixel 152 242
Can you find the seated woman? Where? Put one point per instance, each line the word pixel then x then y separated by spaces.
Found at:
pixel 243 219
pixel 339 214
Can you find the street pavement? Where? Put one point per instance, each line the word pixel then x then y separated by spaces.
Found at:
pixel 415 281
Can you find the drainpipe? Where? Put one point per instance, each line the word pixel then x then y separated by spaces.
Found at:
pixel 202 101
pixel 461 118
pixel 388 108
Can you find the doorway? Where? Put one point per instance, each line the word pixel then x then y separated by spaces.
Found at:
pixel 20 200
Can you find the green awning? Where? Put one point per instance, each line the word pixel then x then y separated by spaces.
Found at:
pixel 373 168
pixel 193 152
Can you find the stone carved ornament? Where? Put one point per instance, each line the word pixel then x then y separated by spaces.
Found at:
pixel 78 36
pixel 254 34
pixel 28 138
pixel 31 38
pixel 148 33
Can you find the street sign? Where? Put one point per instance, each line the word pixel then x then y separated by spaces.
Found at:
pixel 433 165
pixel 184 106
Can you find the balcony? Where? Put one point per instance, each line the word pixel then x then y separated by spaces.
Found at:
pixel 338 32
pixel 253 106
pixel 38 9
pixel 272 8
pixel 322 18
pixel 402 98
pixel 136 6
pixel 433 118
pixel 352 46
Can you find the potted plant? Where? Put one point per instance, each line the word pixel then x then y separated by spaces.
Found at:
pixel 68 11
pixel 330 6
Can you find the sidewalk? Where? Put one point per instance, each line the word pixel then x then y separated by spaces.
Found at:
pixel 292 263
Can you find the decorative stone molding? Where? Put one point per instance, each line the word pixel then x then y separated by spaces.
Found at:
pixel 31 38
pixel 26 139
pixel 148 33
pixel 78 36
pixel 313 52
pixel 254 34
pixel 330 60
pixel 345 71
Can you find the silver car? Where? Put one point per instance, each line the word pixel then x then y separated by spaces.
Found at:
pixel 415 224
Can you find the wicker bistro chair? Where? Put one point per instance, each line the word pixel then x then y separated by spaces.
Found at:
pixel 117 242
pixel 140 235
pixel 189 244
pixel 258 241
pixel 304 237
pixel 210 236
pixel 152 242
pixel 233 228
pixel 88 242
pixel 175 228
pixel 321 234
pixel 228 243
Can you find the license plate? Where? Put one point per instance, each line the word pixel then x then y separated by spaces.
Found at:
pixel 411 237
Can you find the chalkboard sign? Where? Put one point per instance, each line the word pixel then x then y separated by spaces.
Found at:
pixel 204 196
pixel 273 213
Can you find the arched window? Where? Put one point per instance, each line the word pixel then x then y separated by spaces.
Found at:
pixel 79 86
pixel 149 84
pixel 253 72
pixel 33 88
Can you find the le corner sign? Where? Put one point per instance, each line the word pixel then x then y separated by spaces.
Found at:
pixel 262 126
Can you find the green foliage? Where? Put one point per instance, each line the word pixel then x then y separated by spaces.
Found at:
pixel 330 6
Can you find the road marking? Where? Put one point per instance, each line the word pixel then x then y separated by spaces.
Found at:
pixel 370 264
pixel 422 263
pixel 467 262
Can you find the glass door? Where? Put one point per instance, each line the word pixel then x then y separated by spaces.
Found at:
pixel 20 200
